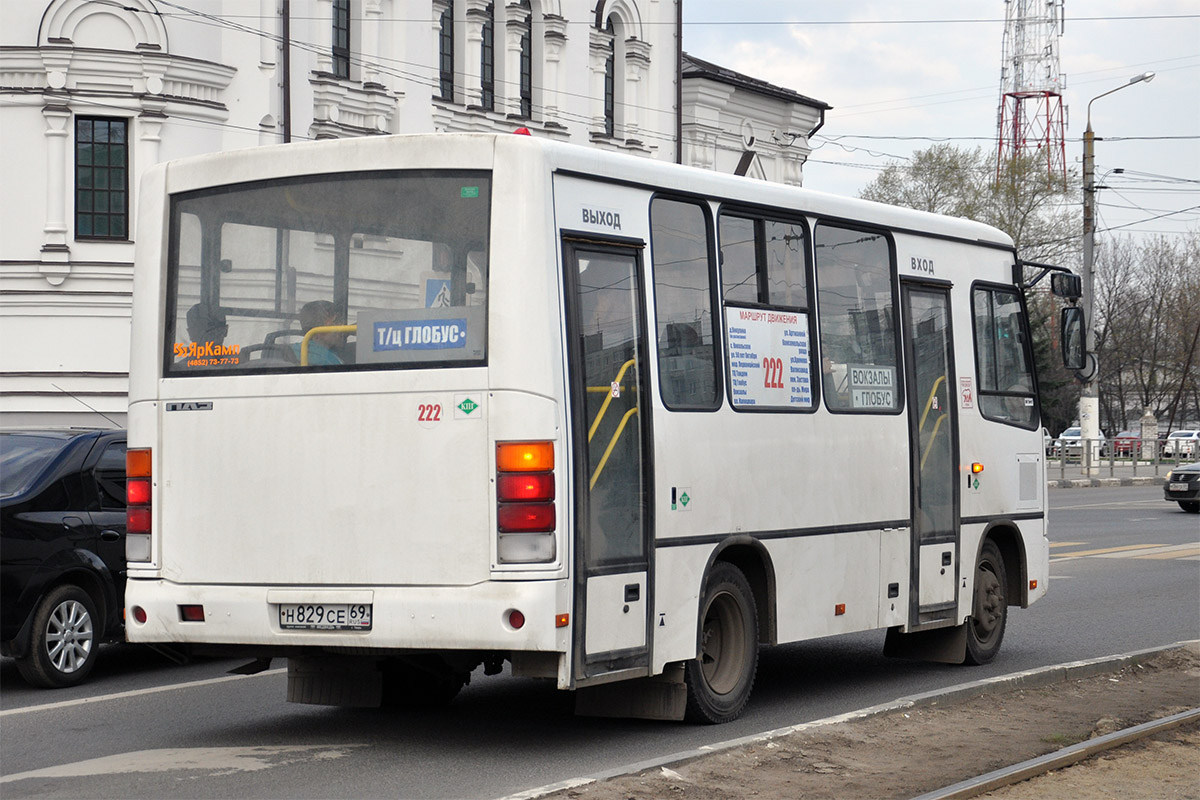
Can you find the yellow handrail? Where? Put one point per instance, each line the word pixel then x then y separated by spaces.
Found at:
pixel 611 444
pixel 607 400
pixel 321 329
pixel 932 438
pixel 929 402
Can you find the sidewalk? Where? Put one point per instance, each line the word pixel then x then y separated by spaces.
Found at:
pixel 1106 473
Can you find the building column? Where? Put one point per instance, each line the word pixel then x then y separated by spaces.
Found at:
pixel 370 42
pixel 637 66
pixel 553 42
pixel 516 27
pixel 599 49
pixel 55 252
pixel 476 14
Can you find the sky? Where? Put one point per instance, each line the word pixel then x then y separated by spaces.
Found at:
pixel 903 75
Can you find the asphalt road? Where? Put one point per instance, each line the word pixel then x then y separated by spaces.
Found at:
pixel 1125 576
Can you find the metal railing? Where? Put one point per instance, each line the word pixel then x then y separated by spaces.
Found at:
pixel 1113 458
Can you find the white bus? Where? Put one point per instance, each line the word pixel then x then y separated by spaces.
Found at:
pixel 405 406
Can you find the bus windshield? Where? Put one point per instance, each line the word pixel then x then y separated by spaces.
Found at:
pixel 352 271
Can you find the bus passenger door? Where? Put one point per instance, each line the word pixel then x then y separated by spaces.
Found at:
pixel 933 428
pixel 607 357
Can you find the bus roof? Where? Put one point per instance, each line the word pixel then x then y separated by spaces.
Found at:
pixel 482 150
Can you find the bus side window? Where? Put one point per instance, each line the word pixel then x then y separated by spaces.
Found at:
pixel 687 363
pixel 857 308
pixel 1002 358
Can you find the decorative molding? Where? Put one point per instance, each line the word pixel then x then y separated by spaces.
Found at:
pixel 164 79
pixel 63 19
pixel 343 108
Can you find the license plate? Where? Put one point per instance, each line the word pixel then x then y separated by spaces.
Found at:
pixel 325 616
pixel 1178 487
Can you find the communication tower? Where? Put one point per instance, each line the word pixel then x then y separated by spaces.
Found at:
pixel 1031 114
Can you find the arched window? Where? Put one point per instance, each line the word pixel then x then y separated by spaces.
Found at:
pixel 446 53
pixel 610 82
pixel 487 59
pixel 341 38
pixel 525 90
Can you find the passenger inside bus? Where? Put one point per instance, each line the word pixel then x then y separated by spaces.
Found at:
pixel 324 348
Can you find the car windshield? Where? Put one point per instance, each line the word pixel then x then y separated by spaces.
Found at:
pixel 22 458
pixel 1071 432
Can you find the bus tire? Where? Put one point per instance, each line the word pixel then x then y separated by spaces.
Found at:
pixel 720 678
pixel 64 641
pixel 989 611
pixel 420 682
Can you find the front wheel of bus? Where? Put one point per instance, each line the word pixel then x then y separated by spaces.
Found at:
pixel 985 628
pixel 719 680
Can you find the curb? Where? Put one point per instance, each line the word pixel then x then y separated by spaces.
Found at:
pixel 1087 483
pixel 1040 676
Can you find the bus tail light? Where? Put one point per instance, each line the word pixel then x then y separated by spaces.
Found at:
pixel 525 513
pixel 525 486
pixel 138 482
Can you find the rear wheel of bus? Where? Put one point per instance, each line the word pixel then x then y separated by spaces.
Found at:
pixel 720 679
pixel 989 615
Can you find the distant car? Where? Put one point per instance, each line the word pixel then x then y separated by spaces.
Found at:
pixel 1183 487
pixel 1126 443
pixel 1182 443
pixel 62 550
pixel 1068 442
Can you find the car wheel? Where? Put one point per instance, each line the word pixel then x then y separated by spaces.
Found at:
pixel 719 680
pixel 1190 506
pixel 989 615
pixel 64 642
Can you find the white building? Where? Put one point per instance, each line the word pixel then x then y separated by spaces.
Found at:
pixel 93 92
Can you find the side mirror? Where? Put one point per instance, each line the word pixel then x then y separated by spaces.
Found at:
pixel 1074 352
pixel 1066 285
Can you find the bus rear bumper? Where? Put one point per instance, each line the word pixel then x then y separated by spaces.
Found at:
pixel 426 618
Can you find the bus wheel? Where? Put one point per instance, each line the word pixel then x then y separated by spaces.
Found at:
pixel 985 628
pixel 719 680
pixel 64 644
pixel 420 682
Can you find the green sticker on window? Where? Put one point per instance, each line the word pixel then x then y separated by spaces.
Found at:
pixel 470 191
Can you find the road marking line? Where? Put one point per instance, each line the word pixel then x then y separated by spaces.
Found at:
pixel 214 760
pixel 1182 552
pixel 1066 544
pixel 1171 550
pixel 135 693
pixel 1075 554
pixel 1081 553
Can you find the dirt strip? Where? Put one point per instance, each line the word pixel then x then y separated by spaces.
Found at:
pixel 907 753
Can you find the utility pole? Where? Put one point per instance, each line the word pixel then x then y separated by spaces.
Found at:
pixel 1089 396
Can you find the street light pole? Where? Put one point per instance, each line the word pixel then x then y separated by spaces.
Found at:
pixel 1089 397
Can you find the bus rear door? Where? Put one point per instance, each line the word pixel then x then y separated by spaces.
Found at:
pixel 606 329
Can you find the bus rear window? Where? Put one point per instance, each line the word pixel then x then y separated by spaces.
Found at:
pixel 336 272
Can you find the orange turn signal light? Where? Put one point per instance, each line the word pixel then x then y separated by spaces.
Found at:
pixel 839 609
pixel 137 463
pixel 525 456
pixel 976 468
pixel 562 620
pixel 1032 585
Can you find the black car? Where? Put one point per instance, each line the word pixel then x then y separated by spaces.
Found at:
pixel 62 550
pixel 1183 487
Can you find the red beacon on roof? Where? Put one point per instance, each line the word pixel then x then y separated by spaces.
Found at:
pixel 522 132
